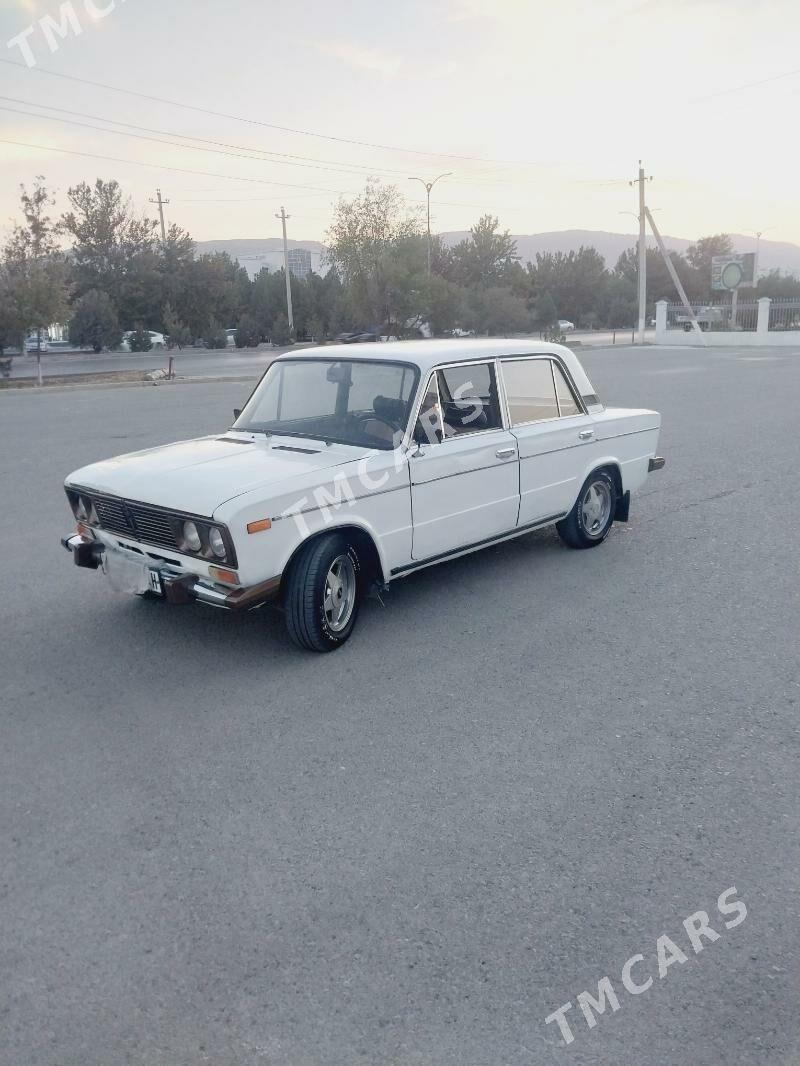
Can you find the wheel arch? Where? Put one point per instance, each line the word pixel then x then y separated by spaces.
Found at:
pixel 610 465
pixel 365 543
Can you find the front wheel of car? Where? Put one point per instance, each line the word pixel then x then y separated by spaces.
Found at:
pixel 590 520
pixel 323 593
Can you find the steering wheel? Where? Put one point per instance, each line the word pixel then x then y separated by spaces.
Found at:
pixel 362 422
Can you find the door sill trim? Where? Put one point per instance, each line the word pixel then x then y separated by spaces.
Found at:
pixel 453 552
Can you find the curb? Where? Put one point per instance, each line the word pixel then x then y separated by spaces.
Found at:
pixel 63 386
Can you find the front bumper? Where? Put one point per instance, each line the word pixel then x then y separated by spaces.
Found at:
pixel 179 588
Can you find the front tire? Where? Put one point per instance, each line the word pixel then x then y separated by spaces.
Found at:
pixel 590 520
pixel 323 593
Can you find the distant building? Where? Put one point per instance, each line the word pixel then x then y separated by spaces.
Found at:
pixel 300 262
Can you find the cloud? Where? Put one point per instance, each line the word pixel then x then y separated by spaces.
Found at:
pixel 360 57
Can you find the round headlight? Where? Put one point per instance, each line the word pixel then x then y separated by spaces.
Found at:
pixel 82 509
pixel 216 542
pixel 191 537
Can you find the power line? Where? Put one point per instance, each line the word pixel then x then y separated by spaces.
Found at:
pixel 746 85
pixel 160 140
pixel 223 146
pixel 266 125
pixel 176 170
pixel 283 158
pixel 231 177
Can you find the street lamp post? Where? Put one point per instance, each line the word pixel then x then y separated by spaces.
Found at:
pixel 428 185
pixel 758 233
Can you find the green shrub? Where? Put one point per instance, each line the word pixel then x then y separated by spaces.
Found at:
pixel 140 340
pixel 215 336
pixel 94 323
pixel 281 334
pixel 248 334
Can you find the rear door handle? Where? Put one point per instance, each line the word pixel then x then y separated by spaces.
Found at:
pixel 505 453
pixel 586 434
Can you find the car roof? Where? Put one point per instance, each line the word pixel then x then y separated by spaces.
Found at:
pixel 432 353
pixel 428 354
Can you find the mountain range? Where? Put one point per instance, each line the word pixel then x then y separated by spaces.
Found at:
pixel 256 253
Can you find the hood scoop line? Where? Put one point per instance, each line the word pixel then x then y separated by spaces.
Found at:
pixel 294 448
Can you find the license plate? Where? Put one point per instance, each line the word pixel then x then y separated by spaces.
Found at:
pixel 127 573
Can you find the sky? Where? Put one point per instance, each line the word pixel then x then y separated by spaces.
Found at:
pixel 538 111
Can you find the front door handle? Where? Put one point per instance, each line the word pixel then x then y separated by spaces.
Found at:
pixel 505 453
pixel 586 434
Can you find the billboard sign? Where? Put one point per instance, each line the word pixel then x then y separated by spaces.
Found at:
pixel 733 271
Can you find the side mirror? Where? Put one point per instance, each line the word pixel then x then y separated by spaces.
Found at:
pixel 236 412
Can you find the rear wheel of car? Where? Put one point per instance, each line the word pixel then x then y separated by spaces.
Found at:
pixel 591 518
pixel 323 593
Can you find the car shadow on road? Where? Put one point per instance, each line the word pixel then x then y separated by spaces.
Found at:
pixel 413 603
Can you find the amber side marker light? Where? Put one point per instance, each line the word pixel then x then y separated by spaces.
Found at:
pixel 260 526
pixel 226 577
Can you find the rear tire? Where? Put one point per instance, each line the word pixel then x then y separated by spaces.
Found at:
pixel 590 520
pixel 323 593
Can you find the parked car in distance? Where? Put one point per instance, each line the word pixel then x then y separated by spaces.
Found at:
pixel 460 333
pixel 706 317
pixel 230 338
pixel 157 340
pixel 355 338
pixel 565 325
pixel 353 467
pixel 35 343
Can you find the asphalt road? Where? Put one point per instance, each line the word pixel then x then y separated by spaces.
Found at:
pixel 190 362
pixel 520 772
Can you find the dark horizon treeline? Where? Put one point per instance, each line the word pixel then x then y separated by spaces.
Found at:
pixel 115 274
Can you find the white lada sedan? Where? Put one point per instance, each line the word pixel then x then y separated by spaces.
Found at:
pixel 353 466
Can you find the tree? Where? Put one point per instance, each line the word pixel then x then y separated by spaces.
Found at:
pixel 496 311
pixel 113 250
pixel 11 327
pixel 37 283
pixel 178 335
pixel 281 334
pixel 140 340
pixel 779 285
pixel 248 334
pixel 445 304
pixel 545 311
pixel 94 323
pixel 700 254
pixel 364 235
pixel 215 336
pixel 213 287
pixel 660 285
pixel 575 280
pixel 484 258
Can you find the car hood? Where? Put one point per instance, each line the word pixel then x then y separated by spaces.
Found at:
pixel 198 476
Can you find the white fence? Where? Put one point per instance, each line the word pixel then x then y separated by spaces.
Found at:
pixel 761 322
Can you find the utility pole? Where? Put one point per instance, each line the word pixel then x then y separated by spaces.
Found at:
pixel 283 217
pixel 673 273
pixel 161 203
pixel 428 185
pixel 642 253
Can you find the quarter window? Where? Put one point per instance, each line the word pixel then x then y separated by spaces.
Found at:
pixel 530 389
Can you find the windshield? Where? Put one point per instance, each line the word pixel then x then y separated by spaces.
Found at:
pixel 344 401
